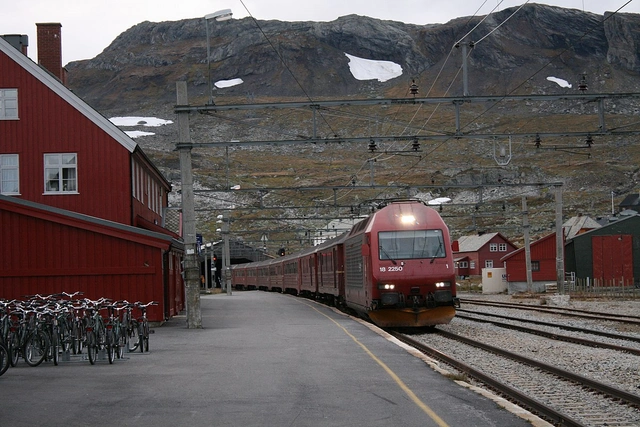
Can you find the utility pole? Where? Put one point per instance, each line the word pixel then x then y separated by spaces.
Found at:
pixel 465 74
pixel 191 270
pixel 527 244
pixel 559 240
pixel 226 256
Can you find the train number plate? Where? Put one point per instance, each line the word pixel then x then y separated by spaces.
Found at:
pixel 392 268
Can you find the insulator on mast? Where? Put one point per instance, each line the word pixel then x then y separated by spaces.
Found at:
pixel 582 86
pixel 415 145
pixel 413 89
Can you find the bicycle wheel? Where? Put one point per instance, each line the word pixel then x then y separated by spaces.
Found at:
pixel 141 337
pixel 109 345
pixel 35 348
pixel 76 339
pixel 65 337
pixel 55 347
pixel 4 358
pixel 14 348
pixel 133 340
pixel 145 328
pixel 92 347
pixel 122 341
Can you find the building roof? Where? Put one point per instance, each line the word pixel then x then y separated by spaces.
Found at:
pixel 573 226
pixel 79 220
pixel 531 244
pixel 59 89
pixel 475 242
pixel 613 227
pixel 630 200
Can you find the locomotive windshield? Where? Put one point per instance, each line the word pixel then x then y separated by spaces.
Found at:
pixel 410 244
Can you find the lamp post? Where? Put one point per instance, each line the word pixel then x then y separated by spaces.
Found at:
pixel 220 15
pixel 226 256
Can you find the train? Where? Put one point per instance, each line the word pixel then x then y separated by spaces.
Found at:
pixel 394 268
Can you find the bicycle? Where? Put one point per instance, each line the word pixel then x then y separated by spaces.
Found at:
pixel 120 328
pixel 115 335
pixel 95 330
pixel 37 342
pixel 16 335
pixel 130 326
pixel 143 326
pixel 53 332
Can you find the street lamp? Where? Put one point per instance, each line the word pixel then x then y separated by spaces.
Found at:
pixel 221 15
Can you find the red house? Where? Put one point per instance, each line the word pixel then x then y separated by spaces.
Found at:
pixel 543 265
pixel 473 253
pixel 81 206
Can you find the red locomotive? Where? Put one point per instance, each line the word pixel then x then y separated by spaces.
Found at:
pixel 395 267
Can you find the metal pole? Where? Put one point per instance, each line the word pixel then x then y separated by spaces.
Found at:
pixel 465 78
pixel 206 267
pixel 226 259
pixel 465 75
pixel 315 126
pixel 559 241
pixel 227 167
pixel 206 23
pixel 612 209
pixel 191 270
pixel 527 244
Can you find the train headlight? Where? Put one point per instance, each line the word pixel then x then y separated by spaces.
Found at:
pixel 443 284
pixel 408 219
pixel 387 287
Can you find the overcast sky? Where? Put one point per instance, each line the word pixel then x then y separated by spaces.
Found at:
pixel 89 26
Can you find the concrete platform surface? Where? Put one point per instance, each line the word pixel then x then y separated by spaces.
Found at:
pixel 261 359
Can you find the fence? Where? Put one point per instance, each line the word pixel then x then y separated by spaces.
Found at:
pixel 579 288
pixel 598 288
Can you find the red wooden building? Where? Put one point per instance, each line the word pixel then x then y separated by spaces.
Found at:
pixel 84 205
pixel 473 253
pixel 543 265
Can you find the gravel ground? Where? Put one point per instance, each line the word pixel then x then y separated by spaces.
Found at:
pixel 618 369
pixel 630 307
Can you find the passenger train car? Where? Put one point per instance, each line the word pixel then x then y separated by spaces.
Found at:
pixel 394 267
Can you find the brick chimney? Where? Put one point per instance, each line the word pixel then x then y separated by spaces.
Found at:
pixel 50 49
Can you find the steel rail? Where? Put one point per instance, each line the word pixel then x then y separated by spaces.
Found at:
pixel 614 392
pixel 506 390
pixel 552 335
pixel 555 325
pixel 623 318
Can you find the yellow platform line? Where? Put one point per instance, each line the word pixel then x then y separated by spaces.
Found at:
pixel 423 406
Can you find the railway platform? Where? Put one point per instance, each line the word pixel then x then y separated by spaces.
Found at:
pixel 261 359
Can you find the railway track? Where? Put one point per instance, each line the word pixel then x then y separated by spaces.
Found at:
pixel 586 314
pixel 558 395
pixel 554 335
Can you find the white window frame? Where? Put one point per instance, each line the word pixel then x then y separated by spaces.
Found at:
pixel 61 173
pixel 488 263
pixel 502 247
pixel 9 104
pixel 9 172
pixel 493 247
pixel 463 264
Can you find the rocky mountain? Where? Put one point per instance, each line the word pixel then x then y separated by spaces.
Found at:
pixel 514 52
pixel 299 59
